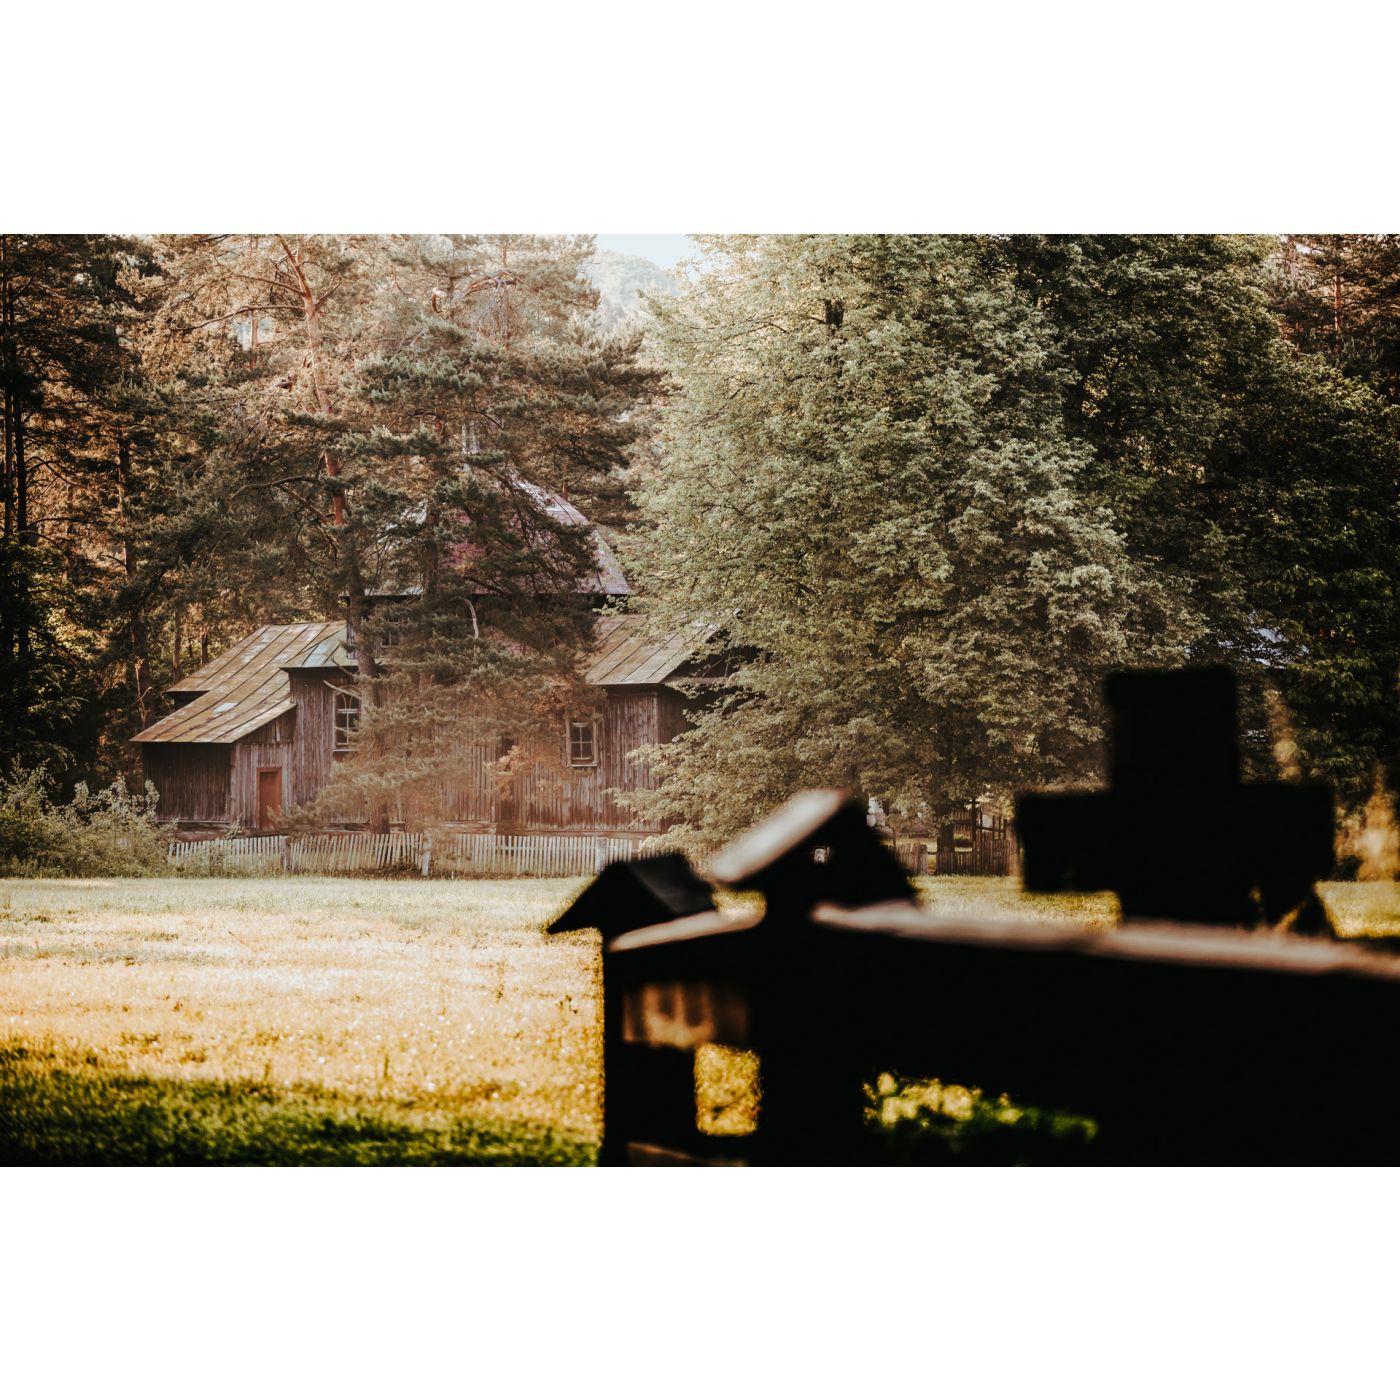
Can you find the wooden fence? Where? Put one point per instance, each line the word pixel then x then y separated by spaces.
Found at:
pixel 236 855
pixel 913 856
pixel 990 852
pixel 440 856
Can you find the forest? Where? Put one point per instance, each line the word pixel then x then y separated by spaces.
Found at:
pixel 928 490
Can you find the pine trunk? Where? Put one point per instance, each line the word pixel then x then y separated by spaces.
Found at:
pixel 7 365
pixel 21 487
pixel 312 316
pixel 141 671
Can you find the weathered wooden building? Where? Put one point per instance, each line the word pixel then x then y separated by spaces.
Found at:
pixel 261 727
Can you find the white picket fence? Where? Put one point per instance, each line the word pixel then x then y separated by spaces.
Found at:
pixel 232 856
pixel 440 856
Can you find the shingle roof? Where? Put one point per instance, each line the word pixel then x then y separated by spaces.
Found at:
pixel 623 657
pixel 608 576
pixel 246 687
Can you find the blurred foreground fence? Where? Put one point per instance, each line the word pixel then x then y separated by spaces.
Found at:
pixel 354 852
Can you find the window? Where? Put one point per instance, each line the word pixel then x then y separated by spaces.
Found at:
pixel 347 719
pixel 583 743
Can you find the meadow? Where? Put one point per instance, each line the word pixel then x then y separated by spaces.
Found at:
pixel 324 1020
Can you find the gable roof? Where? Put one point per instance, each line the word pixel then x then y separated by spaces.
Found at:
pixel 608 576
pixel 623 656
pixel 245 687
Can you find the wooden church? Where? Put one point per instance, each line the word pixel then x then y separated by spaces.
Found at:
pixel 261 727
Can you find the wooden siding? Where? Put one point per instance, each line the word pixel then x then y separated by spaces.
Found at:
pixel 313 758
pixel 268 747
pixel 219 782
pixel 671 708
pixel 582 802
pixel 266 703
pixel 192 779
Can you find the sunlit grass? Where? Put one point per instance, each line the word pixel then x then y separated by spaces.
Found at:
pixel 1365 909
pixel 387 1007
pixel 1361 909
pixel 443 995
pixel 993 897
pixel 68 1109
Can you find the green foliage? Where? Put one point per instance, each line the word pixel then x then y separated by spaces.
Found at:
pixel 937 486
pixel 110 833
pixel 1337 296
pixel 928 1123
pixel 54 1114
pixel 1262 486
pixel 184 413
pixel 1317 502
pixel 74 654
pixel 388 455
pixel 868 486
pixel 929 488
pixel 1164 341
pixel 42 672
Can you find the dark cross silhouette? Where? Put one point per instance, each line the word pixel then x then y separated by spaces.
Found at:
pixel 1177 835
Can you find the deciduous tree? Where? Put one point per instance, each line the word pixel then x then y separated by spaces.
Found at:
pixel 869 489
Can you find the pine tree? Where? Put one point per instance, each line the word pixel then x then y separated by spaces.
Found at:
pixel 1338 295
pixel 492 399
pixel 64 309
pixel 391 445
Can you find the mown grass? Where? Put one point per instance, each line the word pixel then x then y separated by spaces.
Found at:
pixel 988 897
pixel 319 1020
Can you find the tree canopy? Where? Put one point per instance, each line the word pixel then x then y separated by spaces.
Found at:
pixel 923 490
pixel 367 428
pixel 933 488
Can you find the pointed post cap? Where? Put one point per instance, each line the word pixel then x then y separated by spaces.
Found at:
pixel 632 894
pixel 814 848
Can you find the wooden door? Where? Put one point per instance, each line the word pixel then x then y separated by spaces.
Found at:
pixel 269 797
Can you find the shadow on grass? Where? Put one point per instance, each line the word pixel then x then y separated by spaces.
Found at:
pixel 68 1117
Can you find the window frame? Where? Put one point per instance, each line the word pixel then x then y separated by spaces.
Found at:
pixel 593 724
pixel 342 705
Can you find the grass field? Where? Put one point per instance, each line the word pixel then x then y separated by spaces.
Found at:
pixel 339 1021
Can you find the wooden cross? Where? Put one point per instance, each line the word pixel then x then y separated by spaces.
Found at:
pixel 1177 835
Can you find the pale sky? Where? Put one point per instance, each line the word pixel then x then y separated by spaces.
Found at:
pixel 666 249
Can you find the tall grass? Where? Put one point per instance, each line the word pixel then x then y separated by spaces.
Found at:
pixel 109 833
pixel 58 1113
